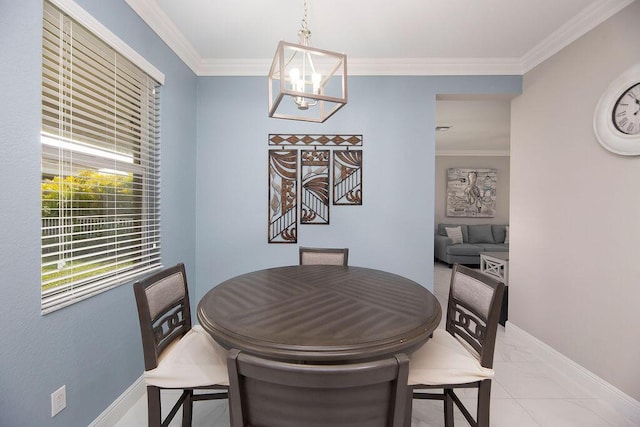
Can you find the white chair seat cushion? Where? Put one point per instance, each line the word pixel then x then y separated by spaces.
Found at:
pixel 195 360
pixel 444 360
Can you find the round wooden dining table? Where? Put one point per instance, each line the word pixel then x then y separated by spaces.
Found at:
pixel 320 313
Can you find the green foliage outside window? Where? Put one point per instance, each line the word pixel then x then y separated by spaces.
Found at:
pixel 77 211
pixel 90 191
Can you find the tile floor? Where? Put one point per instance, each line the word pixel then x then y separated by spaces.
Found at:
pixel 525 392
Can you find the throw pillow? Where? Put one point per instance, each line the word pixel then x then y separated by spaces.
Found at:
pixel 506 236
pixel 480 233
pixel 498 231
pixel 455 234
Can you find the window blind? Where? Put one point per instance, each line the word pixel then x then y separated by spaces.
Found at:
pixel 100 165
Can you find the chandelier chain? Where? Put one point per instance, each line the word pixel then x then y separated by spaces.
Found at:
pixel 304 20
pixel 304 35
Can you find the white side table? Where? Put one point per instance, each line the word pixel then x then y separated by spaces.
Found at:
pixel 495 264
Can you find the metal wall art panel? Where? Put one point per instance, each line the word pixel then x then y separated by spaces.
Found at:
pixel 315 140
pixel 283 196
pixel 347 177
pixel 314 179
pixel 471 192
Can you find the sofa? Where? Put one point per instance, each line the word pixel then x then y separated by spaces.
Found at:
pixel 476 238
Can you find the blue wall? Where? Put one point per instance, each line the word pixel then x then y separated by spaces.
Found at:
pixel 392 230
pixel 214 191
pixel 93 347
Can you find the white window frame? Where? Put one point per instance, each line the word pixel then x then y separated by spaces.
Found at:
pixel 54 145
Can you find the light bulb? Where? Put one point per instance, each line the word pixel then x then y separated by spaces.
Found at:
pixel 294 75
pixel 316 78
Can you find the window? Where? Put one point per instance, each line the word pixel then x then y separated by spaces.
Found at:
pixel 100 165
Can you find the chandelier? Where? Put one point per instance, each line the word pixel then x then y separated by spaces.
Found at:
pixel 306 83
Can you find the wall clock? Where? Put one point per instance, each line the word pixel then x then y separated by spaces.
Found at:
pixel 616 121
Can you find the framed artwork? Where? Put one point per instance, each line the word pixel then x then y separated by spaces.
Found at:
pixel 283 196
pixel 471 192
pixel 314 182
pixel 347 177
pixel 303 182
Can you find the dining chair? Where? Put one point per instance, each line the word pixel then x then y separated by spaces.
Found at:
pixel 461 356
pixel 270 393
pixel 324 256
pixel 176 355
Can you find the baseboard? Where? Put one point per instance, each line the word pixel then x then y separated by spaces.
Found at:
pixel 121 405
pixel 620 401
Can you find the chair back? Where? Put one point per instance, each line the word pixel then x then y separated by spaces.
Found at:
pixel 163 310
pixel 324 256
pixel 270 393
pixel 473 311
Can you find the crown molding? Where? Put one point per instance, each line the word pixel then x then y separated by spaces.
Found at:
pixel 234 67
pixel 164 27
pixel 585 21
pixel 581 24
pixel 433 66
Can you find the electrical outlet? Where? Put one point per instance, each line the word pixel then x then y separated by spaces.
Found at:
pixel 58 400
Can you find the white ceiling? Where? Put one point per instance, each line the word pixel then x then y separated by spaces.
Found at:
pixel 387 37
pixel 380 37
